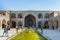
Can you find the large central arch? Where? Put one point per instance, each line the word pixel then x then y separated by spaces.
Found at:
pixel 30 20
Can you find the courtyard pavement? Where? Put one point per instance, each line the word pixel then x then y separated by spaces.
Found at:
pixel 51 34
pixel 48 33
pixel 11 32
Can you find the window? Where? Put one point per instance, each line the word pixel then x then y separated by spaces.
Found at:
pixel 19 15
pixel 13 15
pixel 46 15
pixel 40 16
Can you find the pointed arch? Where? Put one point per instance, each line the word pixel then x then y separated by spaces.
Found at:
pixel 19 15
pixel 30 20
pixel 40 15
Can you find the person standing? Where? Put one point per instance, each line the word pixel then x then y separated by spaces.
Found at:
pixel 41 29
pixel 8 28
pixel 53 27
pixel 17 29
pixel 5 31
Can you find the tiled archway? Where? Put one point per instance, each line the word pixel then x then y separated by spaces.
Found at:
pixel 30 20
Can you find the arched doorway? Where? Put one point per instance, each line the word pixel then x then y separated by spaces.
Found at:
pixel 13 24
pixel 46 24
pixel 3 23
pixel 30 20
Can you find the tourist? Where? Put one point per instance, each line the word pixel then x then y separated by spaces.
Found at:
pixel 33 26
pixel 53 27
pixel 41 29
pixel 8 28
pixel 17 29
pixel 5 31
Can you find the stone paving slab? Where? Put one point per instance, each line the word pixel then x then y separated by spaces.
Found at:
pixel 3 38
pixel 11 32
pixel 51 34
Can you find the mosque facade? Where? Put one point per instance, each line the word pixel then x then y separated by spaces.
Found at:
pixel 27 18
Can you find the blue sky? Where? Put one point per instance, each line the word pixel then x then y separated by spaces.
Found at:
pixel 29 4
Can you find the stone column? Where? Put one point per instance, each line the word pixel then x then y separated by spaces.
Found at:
pixel 49 22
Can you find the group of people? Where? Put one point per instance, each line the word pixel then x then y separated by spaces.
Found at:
pixel 6 29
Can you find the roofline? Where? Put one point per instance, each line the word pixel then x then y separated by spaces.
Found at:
pixel 30 10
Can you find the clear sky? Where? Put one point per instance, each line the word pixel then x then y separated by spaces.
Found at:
pixel 29 4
